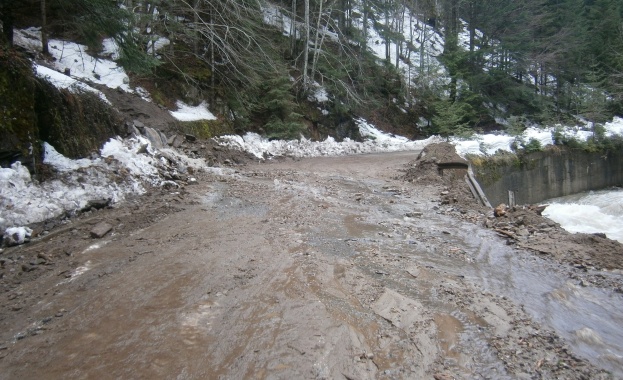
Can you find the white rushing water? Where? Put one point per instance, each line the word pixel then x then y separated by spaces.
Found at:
pixel 591 212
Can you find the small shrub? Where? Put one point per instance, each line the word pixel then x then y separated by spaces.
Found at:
pixel 277 129
pixel 533 145
pixel 453 118
pixel 516 125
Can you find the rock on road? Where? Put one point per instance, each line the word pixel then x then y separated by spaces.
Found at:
pixel 304 269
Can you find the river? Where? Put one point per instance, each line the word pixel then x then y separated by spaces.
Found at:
pixel 590 212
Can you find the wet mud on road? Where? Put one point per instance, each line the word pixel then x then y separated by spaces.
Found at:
pixel 327 268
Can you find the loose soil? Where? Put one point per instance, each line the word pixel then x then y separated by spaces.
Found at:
pixel 358 267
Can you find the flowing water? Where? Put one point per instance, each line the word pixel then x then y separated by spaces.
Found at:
pixel 590 212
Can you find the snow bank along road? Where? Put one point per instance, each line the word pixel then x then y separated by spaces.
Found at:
pixel 328 268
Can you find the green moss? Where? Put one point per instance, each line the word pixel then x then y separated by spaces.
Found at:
pixel 490 169
pixel 206 129
pixel 75 124
pixel 17 117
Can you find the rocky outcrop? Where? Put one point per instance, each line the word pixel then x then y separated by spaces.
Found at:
pixel 35 111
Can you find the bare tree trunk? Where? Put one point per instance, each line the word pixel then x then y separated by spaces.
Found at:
pixel 387 26
pixel 212 64
pixel 6 14
pixel 306 47
pixel 399 19
pixel 195 31
pixel 317 45
pixel 293 30
pixel 349 19
pixel 423 39
pixel 365 24
pixel 44 29
pixel 342 15
pixel 451 43
pixel 408 50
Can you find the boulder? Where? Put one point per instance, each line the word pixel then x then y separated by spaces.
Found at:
pixel 500 210
pixel 154 137
pixel 178 140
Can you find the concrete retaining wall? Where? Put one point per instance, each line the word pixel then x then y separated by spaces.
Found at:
pixel 544 175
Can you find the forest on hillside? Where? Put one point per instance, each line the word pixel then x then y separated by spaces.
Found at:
pixel 418 67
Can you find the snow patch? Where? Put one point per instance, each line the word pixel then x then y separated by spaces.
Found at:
pixel 319 94
pixel 614 127
pixel 488 144
pixel 60 162
pixel 123 169
pixel 16 236
pixel 376 142
pixel 127 153
pixel 157 43
pixel 82 65
pixel 62 81
pixel 190 113
pixel 84 68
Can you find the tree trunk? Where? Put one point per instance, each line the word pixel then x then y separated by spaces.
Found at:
pixel 6 11
pixel 44 29
pixel 306 47
pixel 195 31
pixel 293 31
pixel 451 44
pixel 212 64
pixel 472 40
pixel 342 16
pixel 349 18
pixel 399 18
pixel 317 43
pixel 365 24
pixel 387 28
pixel 423 39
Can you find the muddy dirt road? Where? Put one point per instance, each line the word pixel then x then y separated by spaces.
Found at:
pixel 328 268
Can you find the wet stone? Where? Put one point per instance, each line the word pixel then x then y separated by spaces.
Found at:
pixel 177 141
pixel 100 230
pixel 44 257
pixel 28 268
pixel 97 204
